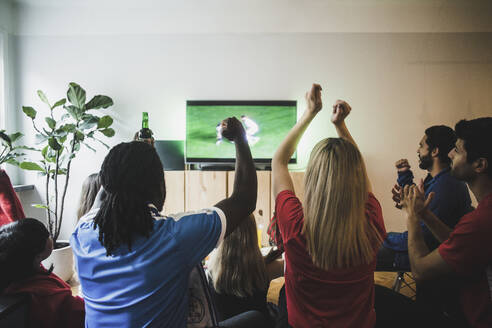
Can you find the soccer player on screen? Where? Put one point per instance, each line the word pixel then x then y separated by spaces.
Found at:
pixel 251 129
pixel 218 130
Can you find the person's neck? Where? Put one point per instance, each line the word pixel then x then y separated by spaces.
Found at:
pixel 481 187
pixel 437 168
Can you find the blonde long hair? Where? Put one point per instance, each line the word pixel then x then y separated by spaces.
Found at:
pixel 337 231
pixel 238 267
pixel 88 194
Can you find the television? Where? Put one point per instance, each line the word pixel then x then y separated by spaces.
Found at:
pixel 266 124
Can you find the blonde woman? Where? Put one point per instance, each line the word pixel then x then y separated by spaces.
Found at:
pixel 332 239
pixel 88 194
pixel 239 273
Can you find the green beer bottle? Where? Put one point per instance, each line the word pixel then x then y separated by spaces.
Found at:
pixel 145 132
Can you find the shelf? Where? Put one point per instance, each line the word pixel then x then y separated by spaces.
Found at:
pixel 18 188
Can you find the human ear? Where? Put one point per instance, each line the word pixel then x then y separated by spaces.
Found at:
pixel 481 165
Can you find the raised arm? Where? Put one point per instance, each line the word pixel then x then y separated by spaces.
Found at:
pixel 242 201
pixel 341 110
pixel 281 177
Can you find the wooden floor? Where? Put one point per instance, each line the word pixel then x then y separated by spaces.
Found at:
pixel 387 279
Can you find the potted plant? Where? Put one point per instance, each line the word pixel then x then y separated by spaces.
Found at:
pixel 59 137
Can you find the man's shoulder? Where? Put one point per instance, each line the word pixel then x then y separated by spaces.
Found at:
pixel 181 217
pixel 448 183
pixel 479 220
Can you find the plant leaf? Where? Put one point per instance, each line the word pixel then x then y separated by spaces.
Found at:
pixel 69 128
pixel 76 95
pixel 62 139
pixel 89 122
pixel 102 143
pixel 54 144
pixel 31 166
pixel 59 103
pixel 40 138
pixel 29 111
pixel 12 161
pixel 60 132
pixel 107 132
pixel 73 111
pixel 79 136
pixel 14 136
pixel 39 206
pixel 104 122
pixel 27 148
pixel 99 101
pixel 51 122
pixel 85 144
pixel 43 97
pixel 6 139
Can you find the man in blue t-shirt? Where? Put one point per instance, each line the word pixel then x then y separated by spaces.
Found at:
pixel 450 203
pixel 133 267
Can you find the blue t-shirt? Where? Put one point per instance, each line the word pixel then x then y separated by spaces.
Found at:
pixel 451 202
pixel 147 286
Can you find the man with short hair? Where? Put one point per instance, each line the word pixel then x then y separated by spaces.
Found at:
pixel 466 251
pixel 450 203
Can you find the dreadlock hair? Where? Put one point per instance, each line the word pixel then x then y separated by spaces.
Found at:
pixel 133 177
pixel 20 242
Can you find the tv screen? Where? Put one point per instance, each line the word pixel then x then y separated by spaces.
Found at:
pixel 266 124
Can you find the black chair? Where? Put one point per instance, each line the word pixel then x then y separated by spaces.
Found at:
pixel 400 280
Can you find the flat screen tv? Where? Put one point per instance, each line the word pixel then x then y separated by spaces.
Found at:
pixel 266 124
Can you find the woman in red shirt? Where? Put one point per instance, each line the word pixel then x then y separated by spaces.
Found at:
pixel 331 242
pixel 23 245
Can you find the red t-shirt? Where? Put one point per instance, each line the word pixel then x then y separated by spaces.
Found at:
pixel 320 298
pixel 10 206
pixel 469 252
pixel 51 302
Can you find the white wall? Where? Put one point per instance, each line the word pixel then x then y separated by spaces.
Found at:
pixel 8 118
pixel 398 83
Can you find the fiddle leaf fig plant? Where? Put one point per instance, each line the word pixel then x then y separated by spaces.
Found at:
pixel 71 122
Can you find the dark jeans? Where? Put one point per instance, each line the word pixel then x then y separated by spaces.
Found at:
pixel 439 295
pixel 246 320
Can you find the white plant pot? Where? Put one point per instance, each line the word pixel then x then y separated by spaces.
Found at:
pixel 62 260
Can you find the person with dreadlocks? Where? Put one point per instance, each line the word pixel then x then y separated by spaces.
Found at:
pixel 134 268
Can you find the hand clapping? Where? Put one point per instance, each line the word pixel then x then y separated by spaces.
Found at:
pixel 413 199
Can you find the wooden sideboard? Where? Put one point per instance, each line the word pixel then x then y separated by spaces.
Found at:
pixel 192 190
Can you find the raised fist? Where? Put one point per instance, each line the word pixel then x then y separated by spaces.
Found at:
pixel 402 165
pixel 341 109
pixel 313 99
pixel 232 129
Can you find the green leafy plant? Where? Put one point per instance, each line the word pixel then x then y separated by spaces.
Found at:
pixel 8 152
pixel 59 137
